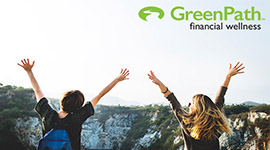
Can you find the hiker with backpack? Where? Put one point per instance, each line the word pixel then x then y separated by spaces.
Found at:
pixel 72 115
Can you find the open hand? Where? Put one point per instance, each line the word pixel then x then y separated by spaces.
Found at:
pixel 153 78
pixel 236 69
pixel 123 75
pixel 26 65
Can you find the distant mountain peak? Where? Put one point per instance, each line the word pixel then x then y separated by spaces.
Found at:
pixel 250 103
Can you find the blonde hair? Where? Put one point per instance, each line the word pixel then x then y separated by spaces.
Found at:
pixel 207 120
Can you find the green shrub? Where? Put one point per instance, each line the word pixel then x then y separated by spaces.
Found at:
pixel 261 108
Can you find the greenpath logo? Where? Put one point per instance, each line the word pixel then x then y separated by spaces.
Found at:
pixel 146 11
pixel 179 13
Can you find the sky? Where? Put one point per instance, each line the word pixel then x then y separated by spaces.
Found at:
pixel 84 44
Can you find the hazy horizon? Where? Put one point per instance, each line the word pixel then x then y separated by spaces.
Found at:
pixel 116 101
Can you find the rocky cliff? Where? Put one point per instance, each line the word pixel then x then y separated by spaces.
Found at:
pixel 110 127
pixel 136 128
pixel 248 134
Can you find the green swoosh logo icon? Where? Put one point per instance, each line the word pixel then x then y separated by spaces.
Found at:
pixel 146 11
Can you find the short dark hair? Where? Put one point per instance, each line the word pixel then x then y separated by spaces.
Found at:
pixel 72 101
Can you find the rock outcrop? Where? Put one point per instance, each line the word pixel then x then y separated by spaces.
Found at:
pixel 108 131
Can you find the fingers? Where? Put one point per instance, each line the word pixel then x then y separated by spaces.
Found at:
pixel 124 74
pixel 150 77
pixel 123 71
pixel 240 69
pixel 236 69
pixel 236 65
pixel 26 65
pixel 19 64
pixel 126 71
pixel 239 66
pixel 152 73
pixel 25 62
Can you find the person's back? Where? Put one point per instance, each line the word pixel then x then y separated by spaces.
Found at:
pixel 205 121
pixel 73 120
pixel 202 126
pixel 72 111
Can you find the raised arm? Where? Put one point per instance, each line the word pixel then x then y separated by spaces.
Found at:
pixel 233 71
pixel 122 76
pixel 176 106
pixel 237 69
pixel 161 86
pixel 28 68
